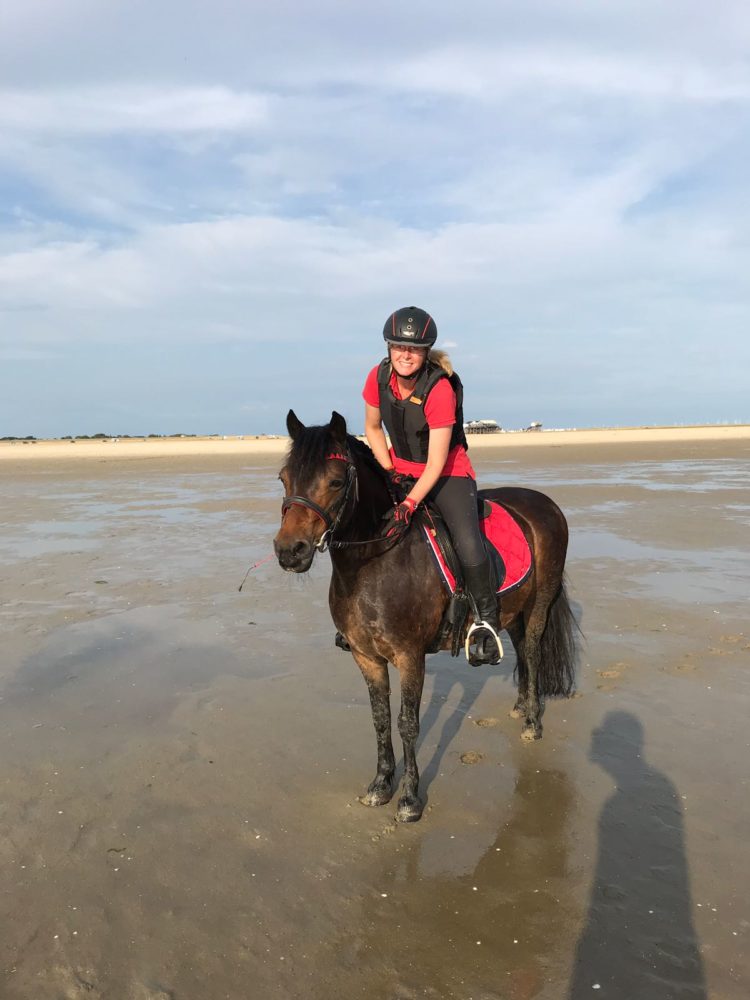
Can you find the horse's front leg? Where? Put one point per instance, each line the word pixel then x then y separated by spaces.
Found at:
pixel 375 672
pixel 412 678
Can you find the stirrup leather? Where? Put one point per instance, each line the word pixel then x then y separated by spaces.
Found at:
pixel 475 628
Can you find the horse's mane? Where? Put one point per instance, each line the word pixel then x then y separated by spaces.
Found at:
pixel 312 445
pixel 364 451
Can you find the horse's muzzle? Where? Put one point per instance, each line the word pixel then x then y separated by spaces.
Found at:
pixel 295 556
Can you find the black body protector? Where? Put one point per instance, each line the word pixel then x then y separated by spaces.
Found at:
pixel 405 419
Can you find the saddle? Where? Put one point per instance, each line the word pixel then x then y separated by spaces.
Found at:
pixel 508 552
pixel 506 546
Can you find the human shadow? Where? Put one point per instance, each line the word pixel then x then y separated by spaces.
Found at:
pixel 639 942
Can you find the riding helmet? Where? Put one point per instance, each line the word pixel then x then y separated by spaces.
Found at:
pixel 410 325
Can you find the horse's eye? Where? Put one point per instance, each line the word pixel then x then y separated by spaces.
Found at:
pixel 336 484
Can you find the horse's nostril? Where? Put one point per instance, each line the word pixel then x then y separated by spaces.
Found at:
pixel 293 553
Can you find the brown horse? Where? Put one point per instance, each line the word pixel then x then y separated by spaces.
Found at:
pixel 388 601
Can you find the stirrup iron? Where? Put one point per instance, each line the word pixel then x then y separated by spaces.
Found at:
pixel 488 628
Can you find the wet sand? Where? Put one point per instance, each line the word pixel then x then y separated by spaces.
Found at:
pixel 181 761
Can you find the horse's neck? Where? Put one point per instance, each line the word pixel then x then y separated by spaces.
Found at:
pixel 373 501
pixel 365 522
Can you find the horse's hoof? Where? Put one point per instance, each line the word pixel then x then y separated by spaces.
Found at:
pixel 377 795
pixel 516 712
pixel 531 733
pixel 409 810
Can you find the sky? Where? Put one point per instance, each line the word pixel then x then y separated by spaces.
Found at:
pixel 208 211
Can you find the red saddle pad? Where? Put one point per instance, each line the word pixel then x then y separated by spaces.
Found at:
pixel 505 535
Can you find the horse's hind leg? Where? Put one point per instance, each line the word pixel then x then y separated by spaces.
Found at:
pixel 517 636
pixel 375 672
pixel 412 679
pixel 532 650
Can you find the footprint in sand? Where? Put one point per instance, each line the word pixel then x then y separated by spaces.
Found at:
pixel 609 674
pixel 155 992
pixel 385 832
pixel 471 757
pixel 614 669
pixel 486 723
pixel 738 640
pixel 681 668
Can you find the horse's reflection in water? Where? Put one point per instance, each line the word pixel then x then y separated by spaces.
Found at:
pixel 503 920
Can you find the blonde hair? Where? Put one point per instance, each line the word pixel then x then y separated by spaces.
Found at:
pixel 441 358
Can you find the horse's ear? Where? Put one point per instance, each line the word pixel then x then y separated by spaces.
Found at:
pixel 293 424
pixel 338 427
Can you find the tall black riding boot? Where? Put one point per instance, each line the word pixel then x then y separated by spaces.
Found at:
pixel 483 642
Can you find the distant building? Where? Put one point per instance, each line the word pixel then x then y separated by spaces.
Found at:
pixel 482 427
pixel 535 425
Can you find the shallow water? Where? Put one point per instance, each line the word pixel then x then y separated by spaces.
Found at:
pixel 181 761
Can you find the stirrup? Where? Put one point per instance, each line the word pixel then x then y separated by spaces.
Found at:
pixel 476 627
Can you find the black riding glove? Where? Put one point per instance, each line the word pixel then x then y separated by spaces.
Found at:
pixel 398 518
pixel 401 483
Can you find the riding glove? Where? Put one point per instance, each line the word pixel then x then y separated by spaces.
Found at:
pixel 401 483
pixel 398 518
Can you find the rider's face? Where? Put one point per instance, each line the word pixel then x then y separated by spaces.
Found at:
pixel 407 359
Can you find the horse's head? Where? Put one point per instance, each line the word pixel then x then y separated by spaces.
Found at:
pixel 317 480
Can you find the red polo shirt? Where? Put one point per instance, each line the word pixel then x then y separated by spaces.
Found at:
pixel 440 411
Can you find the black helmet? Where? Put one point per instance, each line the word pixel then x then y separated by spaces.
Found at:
pixel 410 325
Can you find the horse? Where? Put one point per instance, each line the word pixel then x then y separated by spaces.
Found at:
pixel 387 598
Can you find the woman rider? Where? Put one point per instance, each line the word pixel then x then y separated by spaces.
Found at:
pixel 416 394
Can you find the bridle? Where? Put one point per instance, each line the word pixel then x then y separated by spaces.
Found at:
pixel 331 518
pixel 333 515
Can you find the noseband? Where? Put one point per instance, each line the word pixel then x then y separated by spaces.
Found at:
pixel 330 518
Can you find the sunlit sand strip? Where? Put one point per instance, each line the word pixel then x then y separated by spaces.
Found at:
pixel 124 448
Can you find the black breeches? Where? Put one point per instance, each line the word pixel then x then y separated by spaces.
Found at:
pixel 456 499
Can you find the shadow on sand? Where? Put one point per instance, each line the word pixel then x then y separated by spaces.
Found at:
pixel 639 942
pixel 469 683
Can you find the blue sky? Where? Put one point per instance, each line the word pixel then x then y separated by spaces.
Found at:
pixel 208 211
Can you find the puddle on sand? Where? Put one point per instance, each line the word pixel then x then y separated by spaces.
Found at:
pixel 695 476
pixel 676 575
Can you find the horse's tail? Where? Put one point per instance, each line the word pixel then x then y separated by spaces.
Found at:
pixel 558 648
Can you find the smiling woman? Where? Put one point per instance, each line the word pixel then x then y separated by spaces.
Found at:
pixel 416 394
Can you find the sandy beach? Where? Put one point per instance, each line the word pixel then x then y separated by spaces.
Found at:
pixel 145 448
pixel 181 761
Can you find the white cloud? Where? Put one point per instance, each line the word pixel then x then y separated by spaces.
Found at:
pixel 494 73
pixel 562 180
pixel 111 109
